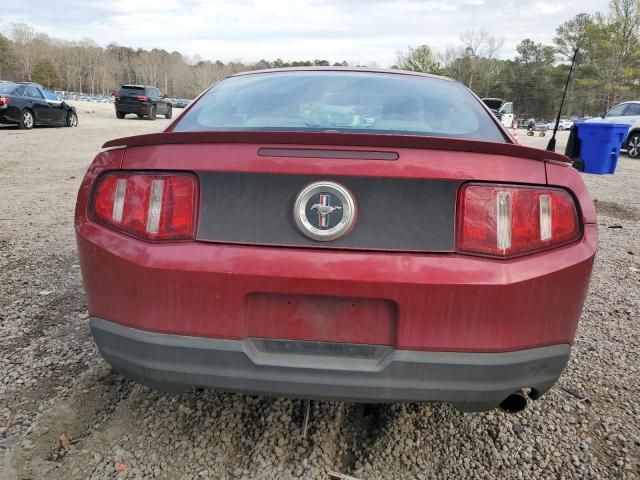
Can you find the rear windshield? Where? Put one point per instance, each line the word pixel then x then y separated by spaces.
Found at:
pixel 131 90
pixel 7 87
pixel 344 102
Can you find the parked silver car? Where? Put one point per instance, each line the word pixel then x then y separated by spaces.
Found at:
pixel 563 124
pixel 629 113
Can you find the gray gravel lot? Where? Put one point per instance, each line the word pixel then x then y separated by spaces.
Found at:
pixel 65 414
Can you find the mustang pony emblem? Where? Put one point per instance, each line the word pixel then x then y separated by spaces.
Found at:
pixel 324 210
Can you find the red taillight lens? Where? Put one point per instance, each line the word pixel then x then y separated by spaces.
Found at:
pixel 149 206
pixel 142 97
pixel 506 221
pixel 117 95
pixel 4 101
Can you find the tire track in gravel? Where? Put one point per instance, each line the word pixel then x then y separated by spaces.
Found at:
pixel 364 425
pixel 615 210
pixel 83 408
pixel 43 343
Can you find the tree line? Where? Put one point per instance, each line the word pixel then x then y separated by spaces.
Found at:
pixel 607 67
pixel 607 64
pixel 26 55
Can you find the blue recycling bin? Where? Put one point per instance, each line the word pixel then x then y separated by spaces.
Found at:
pixel 600 145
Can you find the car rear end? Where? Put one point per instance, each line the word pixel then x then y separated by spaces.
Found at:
pixel 10 103
pixel 461 278
pixel 132 99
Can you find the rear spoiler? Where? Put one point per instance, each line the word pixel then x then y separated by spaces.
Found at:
pixel 339 139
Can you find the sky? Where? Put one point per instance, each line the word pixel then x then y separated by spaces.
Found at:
pixel 356 31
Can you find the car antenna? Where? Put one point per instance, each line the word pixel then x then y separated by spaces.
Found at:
pixel 551 146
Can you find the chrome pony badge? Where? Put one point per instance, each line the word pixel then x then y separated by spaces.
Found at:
pixel 324 211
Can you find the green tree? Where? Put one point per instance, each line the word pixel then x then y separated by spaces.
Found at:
pixel 571 35
pixel 44 72
pixel 533 88
pixel 419 59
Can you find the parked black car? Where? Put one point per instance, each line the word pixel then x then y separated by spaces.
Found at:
pixel 29 104
pixel 144 101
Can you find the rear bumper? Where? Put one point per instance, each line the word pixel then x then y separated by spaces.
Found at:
pixel 133 108
pixel 321 370
pixel 429 302
pixel 9 116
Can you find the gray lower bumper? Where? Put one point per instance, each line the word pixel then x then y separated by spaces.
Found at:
pixel 332 371
pixel 133 108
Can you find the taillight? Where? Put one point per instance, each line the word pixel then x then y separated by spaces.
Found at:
pixel 506 221
pixel 142 97
pixel 117 95
pixel 149 206
pixel 4 101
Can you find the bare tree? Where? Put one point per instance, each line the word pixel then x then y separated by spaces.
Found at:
pixel 6 55
pixel 205 73
pixel 479 45
pixel 451 59
pixel 26 50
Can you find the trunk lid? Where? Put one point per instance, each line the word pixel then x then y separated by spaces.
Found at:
pixel 493 103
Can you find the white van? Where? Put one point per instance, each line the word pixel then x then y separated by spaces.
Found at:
pixel 502 109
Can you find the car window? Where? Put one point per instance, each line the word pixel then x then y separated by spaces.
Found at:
pixel 152 92
pixel 32 92
pixel 617 110
pixel 131 90
pixel 49 95
pixel 507 108
pixel 632 109
pixel 342 101
pixel 8 88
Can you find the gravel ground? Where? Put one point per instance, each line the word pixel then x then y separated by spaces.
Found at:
pixel 65 414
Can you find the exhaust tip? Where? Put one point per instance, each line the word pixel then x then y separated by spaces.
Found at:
pixel 514 403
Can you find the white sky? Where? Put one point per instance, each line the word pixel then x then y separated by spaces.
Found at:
pixel 362 31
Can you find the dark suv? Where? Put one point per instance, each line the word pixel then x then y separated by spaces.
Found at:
pixel 143 101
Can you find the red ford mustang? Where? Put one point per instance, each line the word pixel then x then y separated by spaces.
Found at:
pixel 362 235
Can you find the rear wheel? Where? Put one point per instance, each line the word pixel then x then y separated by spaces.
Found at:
pixel 120 115
pixel 169 112
pixel 72 119
pixel 633 145
pixel 26 120
pixel 152 113
pixel 140 115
